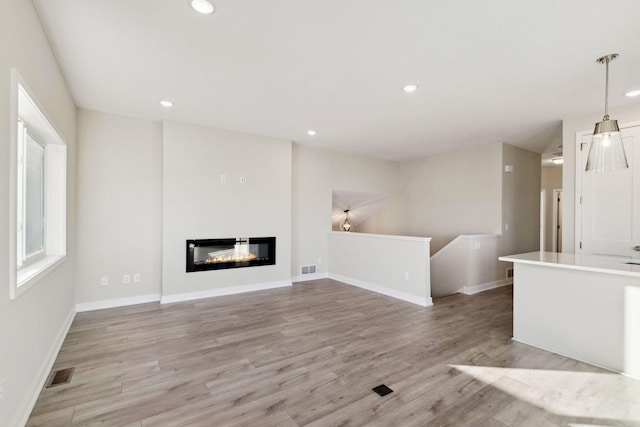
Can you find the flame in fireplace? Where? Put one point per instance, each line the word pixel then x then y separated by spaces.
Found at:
pixel 240 252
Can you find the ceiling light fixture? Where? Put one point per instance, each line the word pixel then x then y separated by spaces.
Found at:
pixel 166 103
pixel 204 7
pixel 410 88
pixel 633 93
pixel 606 152
pixel 346 224
pixel 311 132
pixel 557 161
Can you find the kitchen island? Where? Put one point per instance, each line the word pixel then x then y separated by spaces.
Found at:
pixel 582 306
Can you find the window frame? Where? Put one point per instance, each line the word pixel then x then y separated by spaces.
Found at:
pixel 27 271
pixel 25 130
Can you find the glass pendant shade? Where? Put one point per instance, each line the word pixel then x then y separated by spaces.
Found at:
pixel 346 224
pixel 606 153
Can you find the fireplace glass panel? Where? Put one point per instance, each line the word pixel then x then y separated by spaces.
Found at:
pixel 214 254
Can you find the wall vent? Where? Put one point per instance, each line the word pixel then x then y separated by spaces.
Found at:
pixel 307 269
pixel 509 273
pixel 59 377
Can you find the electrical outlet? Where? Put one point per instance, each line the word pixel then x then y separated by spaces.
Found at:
pixel 126 278
pixel 2 389
pixel 223 179
pixel 406 275
pixel 242 180
pixel 104 280
pixel 136 278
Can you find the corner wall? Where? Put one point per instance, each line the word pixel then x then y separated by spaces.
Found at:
pixel 452 194
pixel 520 201
pixel 316 173
pixel 32 326
pixel 119 209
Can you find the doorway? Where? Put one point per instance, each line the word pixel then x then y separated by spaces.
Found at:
pixel 550 215
pixel 556 226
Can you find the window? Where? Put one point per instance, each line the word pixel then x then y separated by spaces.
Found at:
pixel 30 215
pixel 38 196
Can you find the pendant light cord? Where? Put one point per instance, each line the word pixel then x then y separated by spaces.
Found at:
pixel 606 92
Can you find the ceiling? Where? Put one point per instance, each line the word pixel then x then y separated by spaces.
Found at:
pixel 488 71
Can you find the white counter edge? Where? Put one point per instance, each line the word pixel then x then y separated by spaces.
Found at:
pixel 596 269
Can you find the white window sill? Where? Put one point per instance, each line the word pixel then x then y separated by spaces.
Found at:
pixel 31 274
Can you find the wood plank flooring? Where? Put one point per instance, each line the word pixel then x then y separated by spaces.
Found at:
pixel 309 356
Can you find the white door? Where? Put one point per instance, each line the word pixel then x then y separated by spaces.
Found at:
pixel 610 203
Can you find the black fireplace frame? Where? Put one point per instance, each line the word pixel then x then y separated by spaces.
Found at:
pixel 191 266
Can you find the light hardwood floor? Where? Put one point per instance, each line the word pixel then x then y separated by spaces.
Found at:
pixel 310 355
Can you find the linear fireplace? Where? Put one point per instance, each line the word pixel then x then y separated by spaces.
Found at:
pixel 237 252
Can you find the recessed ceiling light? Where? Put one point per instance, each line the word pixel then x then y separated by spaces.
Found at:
pixel 557 161
pixel 410 88
pixel 311 132
pixel 166 103
pixel 202 6
pixel 633 93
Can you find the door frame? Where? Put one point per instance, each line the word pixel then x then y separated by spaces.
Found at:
pixel 557 193
pixel 543 219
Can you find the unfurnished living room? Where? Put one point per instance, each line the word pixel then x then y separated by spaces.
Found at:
pixel 304 213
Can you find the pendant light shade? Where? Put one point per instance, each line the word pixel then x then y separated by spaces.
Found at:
pixel 346 224
pixel 607 150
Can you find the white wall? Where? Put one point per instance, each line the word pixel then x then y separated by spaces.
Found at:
pixel 520 201
pixel 197 205
pixel 119 207
pixel 520 205
pixel 514 216
pixel 316 173
pixel 468 265
pixel 32 326
pixel 551 179
pixel 570 126
pixel 451 194
pixel 397 266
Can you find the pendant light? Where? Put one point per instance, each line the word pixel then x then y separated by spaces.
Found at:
pixel 607 151
pixel 346 224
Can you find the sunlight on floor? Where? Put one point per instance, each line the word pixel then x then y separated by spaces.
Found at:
pixel 566 393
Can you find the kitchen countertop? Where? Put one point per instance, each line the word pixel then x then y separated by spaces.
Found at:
pixel 595 263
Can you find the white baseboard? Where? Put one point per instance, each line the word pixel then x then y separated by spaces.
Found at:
pixel 470 290
pixel 424 302
pixel 31 397
pixel 118 302
pixel 209 293
pixel 309 277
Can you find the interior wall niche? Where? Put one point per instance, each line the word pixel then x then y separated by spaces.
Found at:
pixel 360 205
